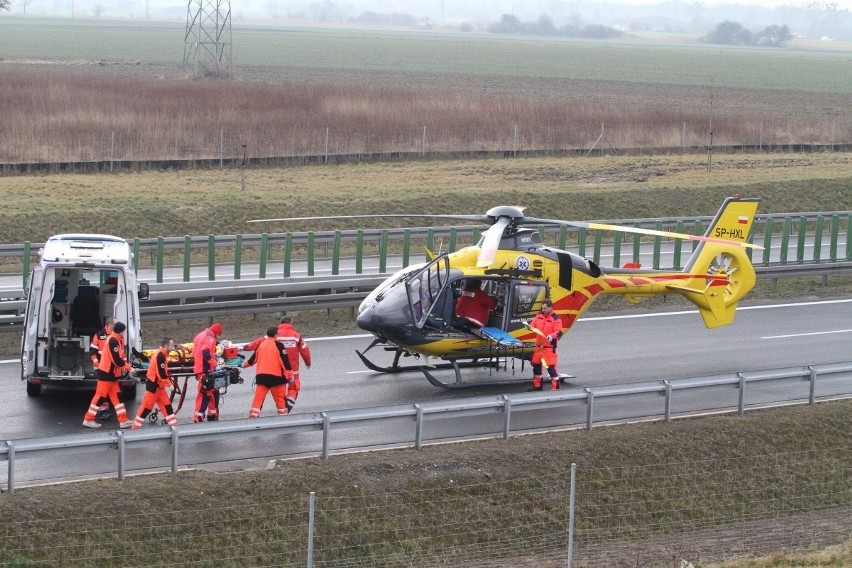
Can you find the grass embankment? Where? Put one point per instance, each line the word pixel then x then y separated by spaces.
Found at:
pixel 691 482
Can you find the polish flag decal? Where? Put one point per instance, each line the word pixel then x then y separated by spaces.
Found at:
pixel 743 220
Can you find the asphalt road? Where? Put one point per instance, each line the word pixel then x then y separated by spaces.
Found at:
pixel 613 349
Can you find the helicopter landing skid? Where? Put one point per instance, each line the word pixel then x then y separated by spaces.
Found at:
pixel 395 367
pixel 459 382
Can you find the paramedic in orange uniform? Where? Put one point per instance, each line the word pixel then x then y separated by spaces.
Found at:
pixel 111 366
pixel 548 323
pixel 204 361
pixel 296 348
pixel 272 374
pixel 98 341
pixel 158 380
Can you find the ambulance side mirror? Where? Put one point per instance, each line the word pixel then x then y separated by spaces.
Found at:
pixel 144 291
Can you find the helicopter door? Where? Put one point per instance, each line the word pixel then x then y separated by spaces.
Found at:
pixel 424 286
pixel 525 303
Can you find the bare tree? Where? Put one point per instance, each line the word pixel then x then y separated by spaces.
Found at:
pixel 4 4
pixel 98 9
pixel 24 4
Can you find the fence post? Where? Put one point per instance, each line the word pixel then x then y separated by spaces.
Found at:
pixel 174 448
pixel 741 404
pixel 418 428
pixel 383 252
pixel 326 144
pixel 238 256
pixel 669 392
pixel 25 262
pixel 211 257
pixel 221 148
pixel 678 245
pixel 311 516
pixel 264 254
pixel 835 233
pixel 616 250
pixel 359 252
pixel 590 408
pixel 310 253
pixel 597 254
pixel 767 241
pixel 572 495
pixel 121 455
pixel 423 148
pixel 658 243
pixel 820 226
pixel 326 434
pixel 785 240
pixel 288 254
pixel 800 245
pixel 637 245
pixel 112 150
pixel 812 386
pixel 159 260
pixel 406 247
pixel 335 254
pixel 187 256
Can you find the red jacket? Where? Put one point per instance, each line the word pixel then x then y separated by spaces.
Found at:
pixel 204 352
pixel 476 306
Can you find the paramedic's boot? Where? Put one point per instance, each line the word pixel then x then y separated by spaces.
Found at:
pixel 125 424
pixel 91 424
pixel 537 383
pixel 554 384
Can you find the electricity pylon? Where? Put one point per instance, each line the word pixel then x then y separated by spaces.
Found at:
pixel 207 43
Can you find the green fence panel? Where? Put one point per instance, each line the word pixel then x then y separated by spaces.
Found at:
pixel 187 257
pixel 616 251
pixel 678 245
pixel 406 247
pixel 697 230
pixel 359 252
pixel 160 260
pixel 238 256
pixel 581 241
pixel 785 240
pixel 335 254
pixel 453 236
pixel 563 236
pixel 767 241
pixel 430 240
pixel 598 240
pixel 25 262
pixel 383 252
pixel 800 244
pixel 476 235
pixel 658 244
pixel 835 235
pixel 310 253
pixel 818 230
pixel 211 257
pixel 848 242
pixel 288 254
pixel 264 255
pixel 636 244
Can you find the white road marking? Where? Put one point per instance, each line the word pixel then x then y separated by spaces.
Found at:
pixel 807 334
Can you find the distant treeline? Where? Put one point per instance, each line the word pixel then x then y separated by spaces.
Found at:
pixel 510 24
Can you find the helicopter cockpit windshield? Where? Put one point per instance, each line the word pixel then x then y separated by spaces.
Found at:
pixel 425 286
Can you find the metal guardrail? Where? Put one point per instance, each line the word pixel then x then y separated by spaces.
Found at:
pixel 418 413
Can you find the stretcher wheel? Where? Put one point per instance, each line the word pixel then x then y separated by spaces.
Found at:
pixel 152 418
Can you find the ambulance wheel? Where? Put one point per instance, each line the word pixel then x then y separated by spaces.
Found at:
pixel 33 389
pixel 128 392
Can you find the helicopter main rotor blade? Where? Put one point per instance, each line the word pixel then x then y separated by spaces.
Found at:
pixel 491 242
pixel 638 230
pixel 476 218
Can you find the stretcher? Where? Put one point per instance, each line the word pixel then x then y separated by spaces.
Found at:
pixel 181 362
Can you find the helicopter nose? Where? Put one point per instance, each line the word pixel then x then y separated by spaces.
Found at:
pixel 365 319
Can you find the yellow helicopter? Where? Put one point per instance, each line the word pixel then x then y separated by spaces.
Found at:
pixel 412 312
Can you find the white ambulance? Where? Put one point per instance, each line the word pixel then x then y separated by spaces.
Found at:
pixel 79 282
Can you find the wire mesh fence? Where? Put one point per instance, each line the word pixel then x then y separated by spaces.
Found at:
pixel 667 514
pixel 325 143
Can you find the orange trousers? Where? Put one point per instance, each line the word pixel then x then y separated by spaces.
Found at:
pixel 162 400
pixel 279 393
pixel 107 391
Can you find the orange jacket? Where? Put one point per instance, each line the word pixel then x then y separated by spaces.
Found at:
pixel 293 342
pixel 273 365
pixel 112 363
pixel 158 369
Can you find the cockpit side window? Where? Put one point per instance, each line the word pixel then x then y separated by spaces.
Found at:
pixel 527 299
